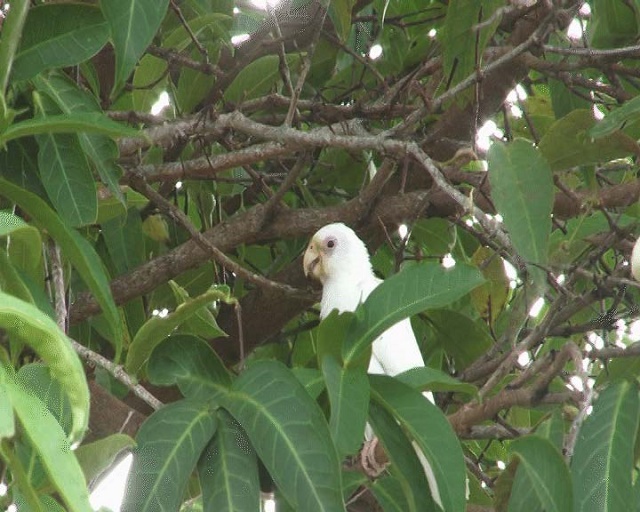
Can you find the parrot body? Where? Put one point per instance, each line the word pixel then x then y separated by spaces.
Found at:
pixel 340 261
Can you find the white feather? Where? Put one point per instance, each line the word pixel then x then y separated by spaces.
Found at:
pixel 347 281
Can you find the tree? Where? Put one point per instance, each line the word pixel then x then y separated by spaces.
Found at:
pixel 164 251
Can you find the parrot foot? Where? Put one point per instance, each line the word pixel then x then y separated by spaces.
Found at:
pixel 371 464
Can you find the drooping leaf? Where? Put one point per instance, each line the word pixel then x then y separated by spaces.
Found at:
pixel 158 328
pixel 67 178
pixel 97 457
pixel 432 433
pixel 99 149
pixel 569 143
pixel 190 363
pixel 523 193
pixel 58 35
pixel 348 389
pixel 389 493
pixel 75 248
pixel 169 444
pixel 616 118
pixel 424 378
pixel 542 478
pixel 90 122
pixel 603 459
pixel 405 466
pixel 461 41
pixel 10 281
pixel 228 469
pixel 132 24
pixel 29 325
pixel 290 435
pixel 48 439
pixel 25 249
pixel 411 291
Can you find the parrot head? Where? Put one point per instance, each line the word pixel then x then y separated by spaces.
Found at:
pixel 335 251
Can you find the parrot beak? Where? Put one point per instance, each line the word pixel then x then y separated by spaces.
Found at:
pixel 311 260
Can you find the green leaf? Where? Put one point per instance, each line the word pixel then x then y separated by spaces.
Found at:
pixel 603 459
pixel 48 439
pixel 156 328
pixel 290 435
pixel 190 363
pixel 122 236
pixel 612 24
pixel 12 28
pixel 76 249
pixel 133 24
pixel 542 478
pixel 67 178
pixel 414 289
pixel 202 323
pixel 169 444
pixel 340 13
pixel 616 119
pixel 389 493
pixel 38 380
pixel 425 378
pixel 10 281
pixel 99 149
pixel 311 379
pixel 25 249
pixel 26 323
pixel 228 470
pixel 97 457
pixel 348 389
pixel 90 122
pixel 522 192
pixel 461 43
pixel 471 338
pixel 430 429
pixel 569 143
pixel 59 35
pixel 405 465
pixel 7 422
pixel 258 78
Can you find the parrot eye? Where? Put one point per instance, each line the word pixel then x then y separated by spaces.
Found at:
pixel 331 244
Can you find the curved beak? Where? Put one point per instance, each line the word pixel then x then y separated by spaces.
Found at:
pixel 311 260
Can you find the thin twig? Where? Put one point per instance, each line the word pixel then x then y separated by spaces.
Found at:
pixel 138 182
pixel 118 372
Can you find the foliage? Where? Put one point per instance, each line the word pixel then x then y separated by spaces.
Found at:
pixel 164 250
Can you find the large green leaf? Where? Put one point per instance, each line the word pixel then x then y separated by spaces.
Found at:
pixel 99 149
pixel 603 459
pixel 290 435
pixel 612 24
pixel 414 289
pixel 7 421
pixel 10 280
pixel 57 35
pixel 96 458
pixel 431 431
pixel 424 378
pixel 124 241
pixel 12 27
pixel 90 122
pixel 461 43
pixel 76 249
pixel 190 363
pixel 348 389
pixel 542 478
pixel 158 328
pixel 228 470
pixel 25 249
pixel 340 13
pixel 48 439
pixel 39 381
pixel 133 24
pixel 522 192
pixel 569 143
pixel 405 465
pixel 616 118
pixel 389 493
pixel 258 78
pixel 31 326
pixel 169 444
pixel 67 178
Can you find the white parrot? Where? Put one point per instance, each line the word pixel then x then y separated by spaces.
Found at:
pixel 340 261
